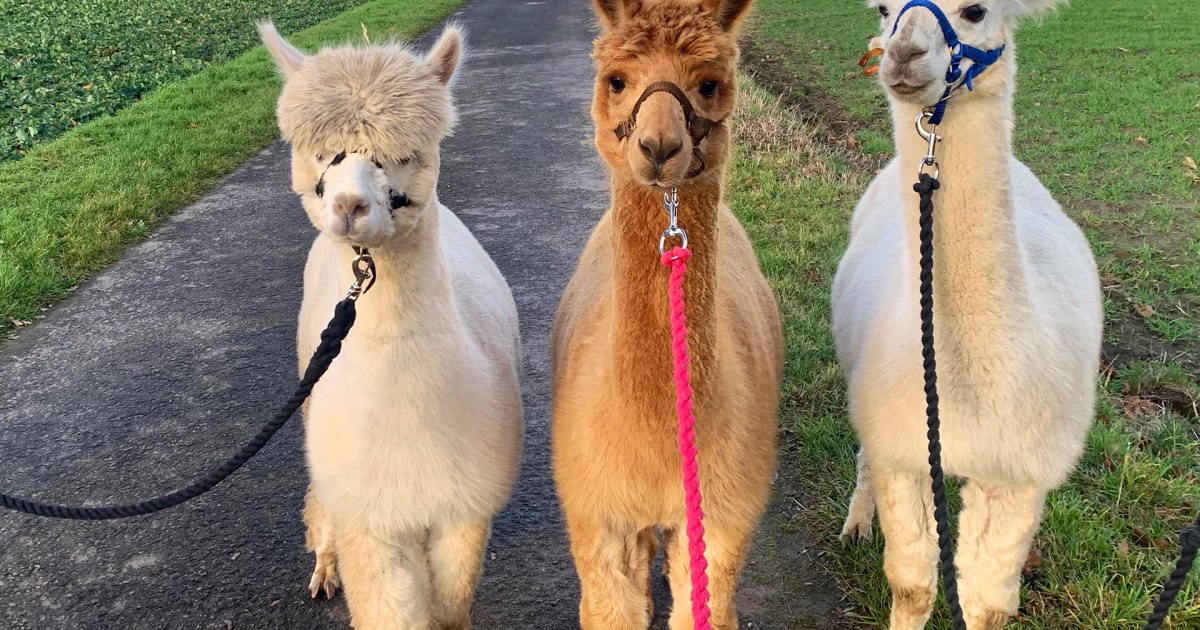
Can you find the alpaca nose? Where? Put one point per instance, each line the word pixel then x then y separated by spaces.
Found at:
pixel 350 205
pixel 905 53
pixel 659 150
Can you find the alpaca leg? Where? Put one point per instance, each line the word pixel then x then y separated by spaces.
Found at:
pixel 905 503
pixel 456 562
pixel 726 553
pixel 612 599
pixel 319 539
pixel 386 578
pixel 861 515
pixel 996 529
pixel 641 558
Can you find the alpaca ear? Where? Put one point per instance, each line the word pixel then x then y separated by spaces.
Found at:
pixel 729 13
pixel 612 12
pixel 446 54
pixel 1022 9
pixel 287 57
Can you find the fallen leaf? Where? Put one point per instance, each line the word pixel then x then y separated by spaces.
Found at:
pixel 1138 407
pixel 1145 310
pixel 228 625
pixel 87 86
pixel 1123 548
pixel 276 603
pixel 1140 140
pixel 18 323
pixel 1140 537
pixel 193 126
pixel 1190 162
pixel 1122 49
pixel 235 556
pixel 852 142
pixel 1034 562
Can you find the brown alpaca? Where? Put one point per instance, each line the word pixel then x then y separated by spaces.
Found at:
pixel 616 461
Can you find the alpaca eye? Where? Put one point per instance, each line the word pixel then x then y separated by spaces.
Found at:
pixel 884 11
pixel 974 13
pixel 617 84
pixel 708 89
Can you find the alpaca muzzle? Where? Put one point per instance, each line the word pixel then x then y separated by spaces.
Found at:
pixel 698 126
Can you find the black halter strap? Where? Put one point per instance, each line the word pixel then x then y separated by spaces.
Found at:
pixel 395 199
pixel 698 126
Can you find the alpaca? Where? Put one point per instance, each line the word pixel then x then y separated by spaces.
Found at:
pixel 615 457
pixel 414 435
pixel 1017 317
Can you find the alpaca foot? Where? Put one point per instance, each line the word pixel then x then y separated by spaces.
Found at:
pixel 325 581
pixel 858 529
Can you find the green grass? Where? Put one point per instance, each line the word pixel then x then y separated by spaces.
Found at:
pixel 65 63
pixel 804 158
pixel 73 205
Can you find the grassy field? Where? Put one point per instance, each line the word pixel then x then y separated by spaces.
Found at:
pixel 73 204
pixel 1108 113
pixel 65 63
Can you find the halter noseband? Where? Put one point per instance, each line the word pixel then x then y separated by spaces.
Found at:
pixel 698 126
pixel 395 200
pixel 956 77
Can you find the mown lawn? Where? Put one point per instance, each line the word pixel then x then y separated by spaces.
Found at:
pixel 72 205
pixel 65 63
pixel 1108 113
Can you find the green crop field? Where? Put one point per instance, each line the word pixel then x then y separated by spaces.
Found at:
pixel 65 63
pixel 1108 115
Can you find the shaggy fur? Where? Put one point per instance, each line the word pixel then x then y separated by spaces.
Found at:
pixel 1018 321
pixel 616 462
pixel 414 435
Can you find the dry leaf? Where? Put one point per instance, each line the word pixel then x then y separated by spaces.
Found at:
pixel 1190 162
pixel 18 323
pixel 1034 562
pixel 1138 406
pixel 852 142
pixel 1145 310
pixel 87 86
pixel 1123 548
pixel 1122 49
pixel 1142 141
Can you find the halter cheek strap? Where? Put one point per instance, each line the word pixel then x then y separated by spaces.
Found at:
pixel 698 126
pixel 956 77
pixel 396 199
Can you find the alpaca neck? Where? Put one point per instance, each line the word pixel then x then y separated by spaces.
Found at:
pixel 413 297
pixel 980 291
pixel 641 332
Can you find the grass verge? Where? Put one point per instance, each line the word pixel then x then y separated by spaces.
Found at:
pixel 1108 536
pixel 72 205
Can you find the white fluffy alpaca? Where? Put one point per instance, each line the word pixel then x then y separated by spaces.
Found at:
pixel 1017 319
pixel 414 435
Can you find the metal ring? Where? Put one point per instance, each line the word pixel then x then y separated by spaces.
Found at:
pixel 672 232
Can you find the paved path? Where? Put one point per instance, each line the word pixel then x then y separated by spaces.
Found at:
pixel 171 359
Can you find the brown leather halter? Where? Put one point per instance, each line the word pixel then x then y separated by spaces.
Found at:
pixel 698 126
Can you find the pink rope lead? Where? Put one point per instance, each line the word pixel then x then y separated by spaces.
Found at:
pixel 677 259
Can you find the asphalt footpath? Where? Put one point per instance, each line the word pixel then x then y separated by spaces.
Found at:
pixel 170 360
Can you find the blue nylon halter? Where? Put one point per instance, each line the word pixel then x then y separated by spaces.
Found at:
pixel 958 51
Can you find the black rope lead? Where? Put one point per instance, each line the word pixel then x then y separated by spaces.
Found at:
pixel 941 510
pixel 330 347
pixel 1189 540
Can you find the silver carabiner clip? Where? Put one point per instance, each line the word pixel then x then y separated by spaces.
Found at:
pixel 929 135
pixel 363 267
pixel 671 205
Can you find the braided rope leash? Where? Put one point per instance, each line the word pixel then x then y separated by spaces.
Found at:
pixel 1189 540
pixel 677 259
pixel 941 509
pixel 331 345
